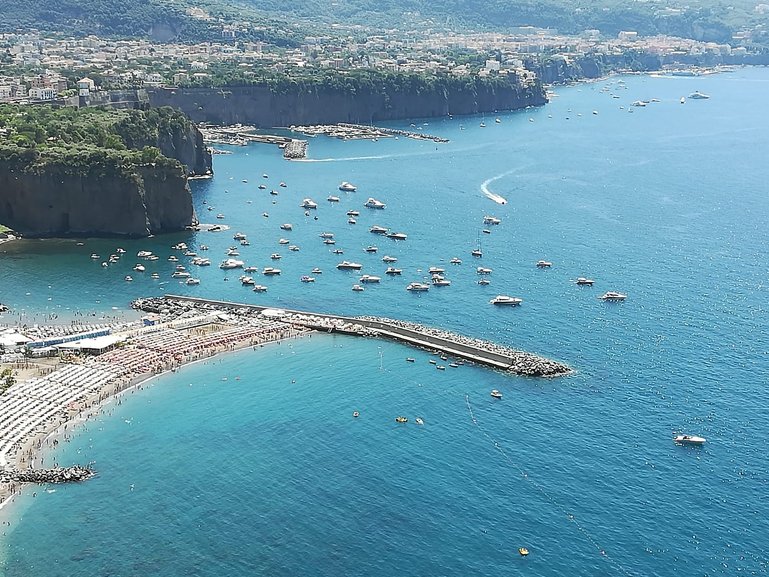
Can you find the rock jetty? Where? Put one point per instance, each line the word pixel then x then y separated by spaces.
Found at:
pixel 347 131
pixel 57 475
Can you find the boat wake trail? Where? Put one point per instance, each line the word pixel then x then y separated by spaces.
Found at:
pixel 349 158
pixel 490 195
pixel 549 498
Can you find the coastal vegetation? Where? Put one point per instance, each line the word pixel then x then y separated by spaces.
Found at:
pixel 285 24
pixel 7 380
pixel 89 141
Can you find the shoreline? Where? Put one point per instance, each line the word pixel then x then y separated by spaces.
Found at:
pixel 36 446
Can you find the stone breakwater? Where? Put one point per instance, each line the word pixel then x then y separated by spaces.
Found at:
pixel 347 131
pixel 56 475
pixel 429 338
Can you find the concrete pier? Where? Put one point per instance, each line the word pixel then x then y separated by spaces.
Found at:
pixel 432 339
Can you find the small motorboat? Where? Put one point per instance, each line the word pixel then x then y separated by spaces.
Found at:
pixel 523 551
pixel 307 278
pixel 287 226
pixel 688 440
pixel 456 260
pixel 391 270
pixel 506 300
pixel 410 359
pixel 583 281
pixel 347 187
pixel 355 414
pixel 376 229
pixel 371 248
pixel 353 213
pixel 419 421
pixel 418 287
pixel 316 270
pixel 401 420
pixel 259 288
pixel 496 394
pixel 544 264
pixel 387 258
pixel 357 288
pixel 128 278
pixel 612 296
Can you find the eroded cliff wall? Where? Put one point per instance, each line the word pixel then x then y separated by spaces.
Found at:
pixel 55 202
pixel 260 106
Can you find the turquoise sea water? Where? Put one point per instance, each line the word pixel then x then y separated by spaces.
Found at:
pixel 266 473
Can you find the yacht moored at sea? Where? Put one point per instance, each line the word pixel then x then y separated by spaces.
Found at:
pixel 270 271
pixel 388 258
pixel 353 213
pixel 612 296
pixel 376 229
pixel 347 265
pixel 396 235
pixel 142 254
pixel 260 288
pixel 476 252
pixel 347 187
pixel 496 394
pixel 697 95
pixel 367 278
pixel 436 270
pixel 231 263
pixel 483 270
pixel 333 199
pixel 357 288
pixel 374 203
pixel 491 220
pixel 391 270
pixel 583 281
pixel 506 300
pixel 456 260
pixel 316 270
pixel 326 235
pixel 275 256
pixel 689 440
pixel 139 267
pixel 287 226
pixel 307 278
pixel 544 264
pixel 371 248
pixel 438 280
pixel 418 287
pixel 308 203
pixel 247 280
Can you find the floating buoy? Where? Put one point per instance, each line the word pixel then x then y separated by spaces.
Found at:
pixel 523 551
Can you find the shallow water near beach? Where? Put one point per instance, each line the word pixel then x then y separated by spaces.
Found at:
pixel 253 463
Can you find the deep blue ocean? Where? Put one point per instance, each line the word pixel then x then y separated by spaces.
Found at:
pixel 253 465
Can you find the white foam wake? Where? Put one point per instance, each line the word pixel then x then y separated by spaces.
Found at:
pixel 491 195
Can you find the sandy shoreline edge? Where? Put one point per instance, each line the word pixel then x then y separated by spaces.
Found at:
pixel 35 448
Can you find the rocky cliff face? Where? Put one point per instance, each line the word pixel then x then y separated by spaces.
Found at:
pixel 259 106
pixel 186 146
pixel 57 203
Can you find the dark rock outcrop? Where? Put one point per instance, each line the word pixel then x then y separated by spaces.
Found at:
pixel 55 202
pixel 261 106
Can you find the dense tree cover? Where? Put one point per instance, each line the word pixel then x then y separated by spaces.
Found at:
pixel 93 141
pixel 356 81
pixel 268 20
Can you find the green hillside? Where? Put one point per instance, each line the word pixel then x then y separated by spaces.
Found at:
pixel 285 23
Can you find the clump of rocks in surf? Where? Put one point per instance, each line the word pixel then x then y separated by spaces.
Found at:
pixel 72 474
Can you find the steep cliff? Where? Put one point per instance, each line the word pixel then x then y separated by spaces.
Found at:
pixel 263 106
pixel 59 202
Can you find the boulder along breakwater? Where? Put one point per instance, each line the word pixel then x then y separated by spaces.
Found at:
pixel 72 474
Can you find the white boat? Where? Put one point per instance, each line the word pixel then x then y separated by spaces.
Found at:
pixel 282 184
pixel 476 252
pixel 353 213
pixel 231 263
pixel 484 282
pixel 347 265
pixel 440 281
pixel 351 220
pixel 374 203
pixel 287 226
pixel 612 296
pixel 307 278
pixel 483 270
pixel 506 300
pixel 247 280
pixel 192 281
pixel 367 278
pixel 544 264
pixel 239 236
pixel 144 253
pixel 456 260
pixel 128 278
pixel 139 267
pixel 491 220
pixel 683 100
pixel 496 394
pixel 270 271
pixel 220 216
pixel 155 275
pixel 326 235
pixel 275 256
pixel 396 235
pixel 347 187
pixel 244 242
pixel 418 287
pixel 391 270
pixel 260 288
pixel 689 440
pixel 250 269
pixel 232 252
pixel 180 274
pixel 583 281
pixel 120 250
pixel 316 270
pixel 329 241
pixel 388 258
pixel 308 203
pixel 436 270
pixel 371 248
pixel 376 229
pixel 293 248
pixel 357 288
pixel 283 241
pixel 697 95
pixel 333 199
pixel 262 187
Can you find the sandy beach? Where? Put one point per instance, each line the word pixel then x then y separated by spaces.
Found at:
pixel 146 353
